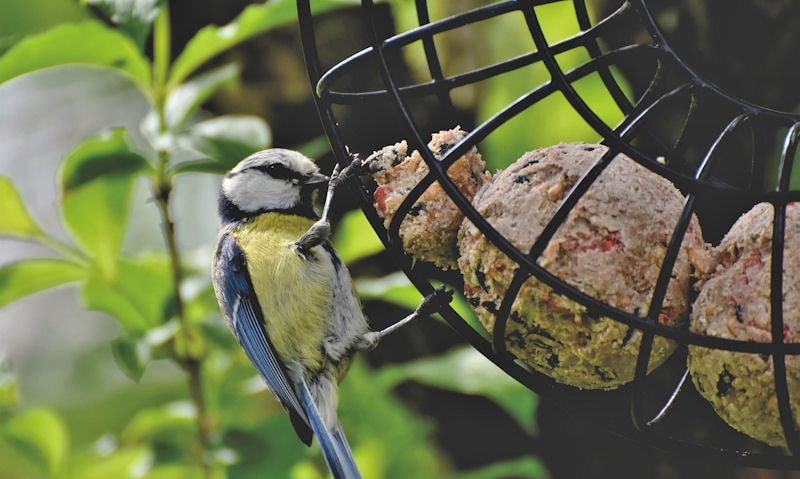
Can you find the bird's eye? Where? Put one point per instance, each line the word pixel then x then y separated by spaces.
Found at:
pixel 277 171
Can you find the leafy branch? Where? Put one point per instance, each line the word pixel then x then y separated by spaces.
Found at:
pixel 220 420
pixel 96 182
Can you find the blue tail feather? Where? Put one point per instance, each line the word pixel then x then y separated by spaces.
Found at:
pixel 332 442
pixel 340 439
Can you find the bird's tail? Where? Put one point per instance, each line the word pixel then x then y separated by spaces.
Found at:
pixel 332 441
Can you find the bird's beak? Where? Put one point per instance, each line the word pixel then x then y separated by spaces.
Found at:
pixel 315 179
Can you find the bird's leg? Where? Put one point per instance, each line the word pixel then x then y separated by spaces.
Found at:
pixel 320 230
pixel 338 177
pixel 429 305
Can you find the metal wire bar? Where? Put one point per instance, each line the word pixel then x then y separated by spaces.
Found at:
pixel 662 283
pixel 777 325
pixel 328 119
pixel 654 312
pixel 662 413
pixel 592 46
pixel 431 55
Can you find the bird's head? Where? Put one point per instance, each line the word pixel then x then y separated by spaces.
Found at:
pixel 269 180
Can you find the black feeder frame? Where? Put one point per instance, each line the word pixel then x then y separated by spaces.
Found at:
pixel 725 155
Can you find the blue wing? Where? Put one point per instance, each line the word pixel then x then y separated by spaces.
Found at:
pixel 243 313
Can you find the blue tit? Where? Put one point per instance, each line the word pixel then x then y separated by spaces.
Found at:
pixel 286 295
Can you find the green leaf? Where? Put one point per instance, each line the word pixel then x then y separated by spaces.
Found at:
pixel 134 17
pixel 184 100
pixel 88 42
pixel 175 416
pixel 14 217
pixel 212 40
pixel 210 166
pixel 466 371
pixel 21 19
pixel 107 154
pixel 135 461
pixel 140 297
pixel 161 335
pixel 131 355
pixel 230 138
pixel 393 288
pixel 96 182
pixel 25 277
pixel 355 239
pixel 41 435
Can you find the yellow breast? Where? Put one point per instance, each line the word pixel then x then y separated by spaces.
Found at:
pixel 295 294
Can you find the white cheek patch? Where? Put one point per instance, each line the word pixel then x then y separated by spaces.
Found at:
pixel 252 192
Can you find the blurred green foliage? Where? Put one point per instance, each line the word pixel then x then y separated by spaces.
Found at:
pixel 551 120
pixel 217 421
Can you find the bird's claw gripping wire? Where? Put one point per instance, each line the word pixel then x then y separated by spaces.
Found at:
pixel 321 229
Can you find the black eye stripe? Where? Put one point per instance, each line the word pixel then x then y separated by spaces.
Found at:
pixel 279 171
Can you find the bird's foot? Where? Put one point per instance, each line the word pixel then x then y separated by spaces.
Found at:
pixel 315 236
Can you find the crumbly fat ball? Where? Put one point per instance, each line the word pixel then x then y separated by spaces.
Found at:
pixel 430 229
pixel 734 302
pixel 611 247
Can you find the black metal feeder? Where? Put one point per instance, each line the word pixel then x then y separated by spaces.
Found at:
pixel 724 153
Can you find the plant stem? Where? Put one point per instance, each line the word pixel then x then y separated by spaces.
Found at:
pixel 185 356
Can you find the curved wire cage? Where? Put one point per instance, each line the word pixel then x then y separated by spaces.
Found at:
pixel 724 153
